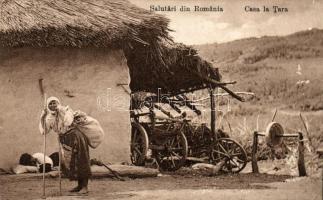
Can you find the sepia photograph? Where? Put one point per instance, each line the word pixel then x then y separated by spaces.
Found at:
pixel 161 99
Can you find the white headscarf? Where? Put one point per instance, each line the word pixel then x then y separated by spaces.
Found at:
pixel 58 121
pixel 50 99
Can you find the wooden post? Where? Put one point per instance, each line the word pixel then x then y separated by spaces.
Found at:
pixel 254 155
pixel 301 161
pixel 213 114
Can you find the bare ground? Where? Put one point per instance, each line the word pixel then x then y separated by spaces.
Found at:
pixel 170 186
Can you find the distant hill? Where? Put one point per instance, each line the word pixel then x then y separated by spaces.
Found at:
pixel 251 50
pixel 284 71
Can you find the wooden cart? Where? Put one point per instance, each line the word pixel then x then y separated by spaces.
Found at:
pixel 172 140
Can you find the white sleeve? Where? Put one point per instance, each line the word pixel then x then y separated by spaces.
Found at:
pixel 40 126
pixel 68 117
pixel 41 129
pixel 40 159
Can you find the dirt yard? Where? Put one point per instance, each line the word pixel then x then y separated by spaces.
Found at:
pixel 170 186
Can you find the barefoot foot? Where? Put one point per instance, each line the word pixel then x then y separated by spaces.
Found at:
pixel 76 189
pixel 84 190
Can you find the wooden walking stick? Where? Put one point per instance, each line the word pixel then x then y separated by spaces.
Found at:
pixel 59 166
pixel 44 150
pixel 41 87
pixel 40 81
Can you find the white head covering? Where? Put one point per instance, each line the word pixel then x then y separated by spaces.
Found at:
pixel 52 99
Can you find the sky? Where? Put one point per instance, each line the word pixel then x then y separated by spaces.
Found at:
pixel 234 22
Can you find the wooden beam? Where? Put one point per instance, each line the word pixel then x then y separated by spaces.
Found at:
pixel 124 171
pixel 213 114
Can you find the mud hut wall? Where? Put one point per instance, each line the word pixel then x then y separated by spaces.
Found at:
pixel 84 79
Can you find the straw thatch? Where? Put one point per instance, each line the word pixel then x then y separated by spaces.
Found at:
pixel 172 67
pixel 75 23
pixel 154 60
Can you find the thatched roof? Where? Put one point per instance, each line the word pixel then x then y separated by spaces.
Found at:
pixel 76 23
pixel 154 60
pixel 172 67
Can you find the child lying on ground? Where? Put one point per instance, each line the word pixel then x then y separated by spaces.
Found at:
pixel 35 163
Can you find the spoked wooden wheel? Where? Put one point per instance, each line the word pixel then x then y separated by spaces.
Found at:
pixel 174 154
pixel 139 144
pixel 231 153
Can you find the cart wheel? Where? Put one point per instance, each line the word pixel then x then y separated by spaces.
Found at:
pixel 139 144
pixel 232 153
pixel 174 155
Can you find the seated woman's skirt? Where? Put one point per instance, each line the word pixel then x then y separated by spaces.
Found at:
pixel 75 155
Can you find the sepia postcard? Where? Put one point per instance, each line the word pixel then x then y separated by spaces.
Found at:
pixel 161 99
